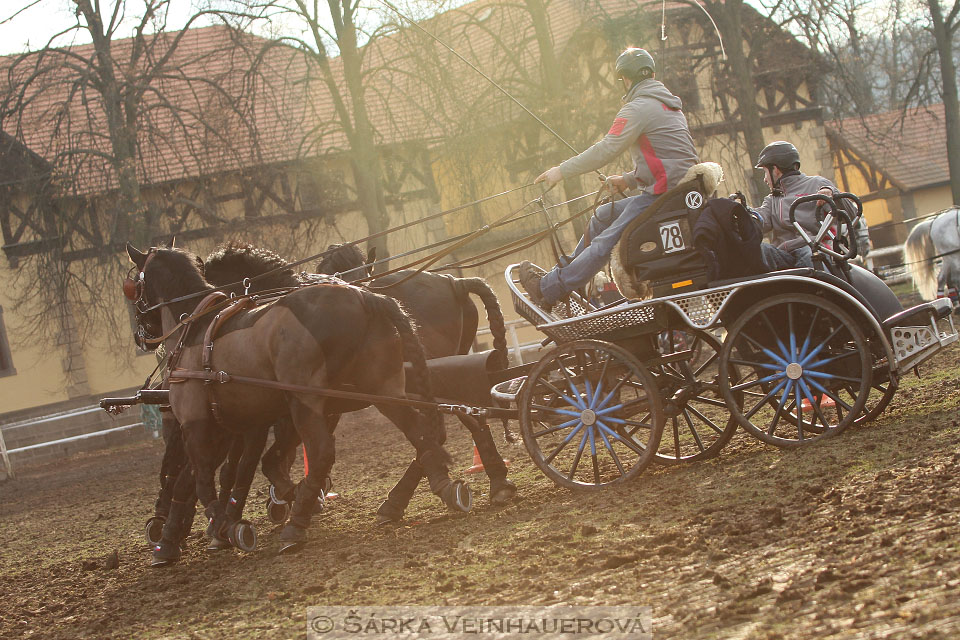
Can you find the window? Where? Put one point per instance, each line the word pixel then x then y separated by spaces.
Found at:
pixel 6 358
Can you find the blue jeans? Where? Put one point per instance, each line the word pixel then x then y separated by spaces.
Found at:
pixel 605 228
pixel 776 258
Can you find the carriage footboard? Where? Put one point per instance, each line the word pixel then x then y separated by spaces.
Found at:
pixel 920 332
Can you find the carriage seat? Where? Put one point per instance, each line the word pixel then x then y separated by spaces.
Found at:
pixel 655 255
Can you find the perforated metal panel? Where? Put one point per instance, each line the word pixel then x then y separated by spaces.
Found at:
pixel 601 323
pixel 702 310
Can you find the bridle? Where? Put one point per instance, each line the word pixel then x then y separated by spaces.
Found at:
pixel 135 291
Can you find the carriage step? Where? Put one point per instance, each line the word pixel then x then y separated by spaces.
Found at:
pixel 940 308
pixel 507 390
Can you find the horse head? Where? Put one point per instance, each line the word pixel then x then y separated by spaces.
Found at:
pixel 346 261
pixel 158 276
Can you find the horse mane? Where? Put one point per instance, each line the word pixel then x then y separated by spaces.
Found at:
pixel 231 262
pixel 341 258
pixel 183 274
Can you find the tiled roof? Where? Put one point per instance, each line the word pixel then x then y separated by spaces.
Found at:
pixel 910 147
pixel 294 111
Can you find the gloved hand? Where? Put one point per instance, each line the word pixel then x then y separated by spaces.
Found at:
pixel 615 184
pixel 551 176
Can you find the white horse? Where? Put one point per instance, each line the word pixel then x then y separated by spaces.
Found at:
pixel 938 236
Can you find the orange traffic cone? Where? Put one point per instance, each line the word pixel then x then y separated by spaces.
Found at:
pixel 825 403
pixel 477 463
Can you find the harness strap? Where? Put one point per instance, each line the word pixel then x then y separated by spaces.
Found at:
pixel 182 375
pixel 231 310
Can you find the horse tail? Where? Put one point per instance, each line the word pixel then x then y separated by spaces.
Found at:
pixel 918 252
pixel 409 339
pixel 498 328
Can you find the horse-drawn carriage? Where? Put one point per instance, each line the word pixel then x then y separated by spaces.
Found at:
pixel 667 374
pixel 790 356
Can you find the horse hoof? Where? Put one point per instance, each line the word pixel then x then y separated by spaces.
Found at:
pixel 165 553
pixel 502 492
pixel 154 530
pixel 218 544
pixel 292 538
pixel 243 536
pixel 291 547
pixel 278 510
pixel 385 521
pixel 458 496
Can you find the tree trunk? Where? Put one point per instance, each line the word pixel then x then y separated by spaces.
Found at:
pixel 728 18
pixel 365 157
pixel 951 102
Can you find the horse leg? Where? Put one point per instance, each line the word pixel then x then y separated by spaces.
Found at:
pixel 207 446
pixel 430 456
pixel 501 489
pixel 174 459
pixel 279 458
pixel 182 503
pixel 228 470
pixel 319 444
pixel 252 445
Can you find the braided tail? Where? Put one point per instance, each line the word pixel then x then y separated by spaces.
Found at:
pixel 498 329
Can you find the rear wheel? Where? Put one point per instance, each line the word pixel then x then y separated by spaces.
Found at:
pixel 805 369
pixel 698 423
pixel 590 415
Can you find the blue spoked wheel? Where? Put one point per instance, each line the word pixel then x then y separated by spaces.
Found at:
pixel 805 369
pixel 590 415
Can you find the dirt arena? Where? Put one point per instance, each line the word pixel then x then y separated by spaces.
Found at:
pixel 855 537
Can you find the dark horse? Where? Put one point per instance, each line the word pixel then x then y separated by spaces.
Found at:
pixel 319 337
pixel 447 321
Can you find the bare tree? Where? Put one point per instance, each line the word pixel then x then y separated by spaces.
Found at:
pixel 105 118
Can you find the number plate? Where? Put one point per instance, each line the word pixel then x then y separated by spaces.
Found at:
pixel 671 237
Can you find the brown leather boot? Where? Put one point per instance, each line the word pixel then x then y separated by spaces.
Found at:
pixel 530 276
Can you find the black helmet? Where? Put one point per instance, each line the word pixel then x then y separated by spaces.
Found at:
pixel 632 62
pixel 779 154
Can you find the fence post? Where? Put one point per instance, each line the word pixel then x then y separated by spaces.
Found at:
pixel 515 343
pixel 6 456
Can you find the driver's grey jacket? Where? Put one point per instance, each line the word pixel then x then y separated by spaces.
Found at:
pixel 774 211
pixel 652 125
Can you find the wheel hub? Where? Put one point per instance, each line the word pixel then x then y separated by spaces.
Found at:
pixel 588 417
pixel 794 371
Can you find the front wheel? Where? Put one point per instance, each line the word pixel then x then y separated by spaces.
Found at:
pixel 590 415
pixel 806 369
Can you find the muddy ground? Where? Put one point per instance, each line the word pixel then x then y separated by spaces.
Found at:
pixel 856 537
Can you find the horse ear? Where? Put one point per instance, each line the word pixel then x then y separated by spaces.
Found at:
pixel 372 255
pixel 136 257
pixel 199 263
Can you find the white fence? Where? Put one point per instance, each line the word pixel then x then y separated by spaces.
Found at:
pixel 49 421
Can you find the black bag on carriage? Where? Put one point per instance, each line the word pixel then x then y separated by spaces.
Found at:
pixel 728 238
pixel 686 241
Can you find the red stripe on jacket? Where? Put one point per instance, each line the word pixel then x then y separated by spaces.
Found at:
pixel 654 164
pixel 617 127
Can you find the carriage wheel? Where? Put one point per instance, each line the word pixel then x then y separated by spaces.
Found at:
pixel 796 351
pixel 698 423
pixel 590 415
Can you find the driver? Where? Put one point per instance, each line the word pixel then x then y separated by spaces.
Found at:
pixel 780 162
pixel 652 126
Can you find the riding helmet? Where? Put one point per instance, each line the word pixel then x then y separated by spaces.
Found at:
pixel 779 154
pixel 632 62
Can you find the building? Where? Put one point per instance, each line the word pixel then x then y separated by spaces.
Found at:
pixel 224 152
pixel 897 162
